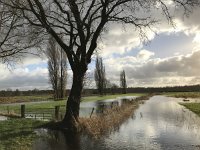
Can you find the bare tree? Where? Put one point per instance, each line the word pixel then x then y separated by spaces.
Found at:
pixel 82 22
pixel 63 73
pixel 87 81
pixel 123 82
pixel 100 76
pixel 16 37
pixel 53 66
pixel 112 87
pixel 57 67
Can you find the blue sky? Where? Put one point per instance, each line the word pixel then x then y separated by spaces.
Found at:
pixel 167 45
pixel 172 57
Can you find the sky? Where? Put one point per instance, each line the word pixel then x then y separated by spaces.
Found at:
pixel 170 57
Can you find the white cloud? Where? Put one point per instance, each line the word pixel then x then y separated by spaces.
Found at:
pixel 177 70
pixel 120 40
pixel 145 54
pixel 197 38
pixel 142 69
pixel 23 78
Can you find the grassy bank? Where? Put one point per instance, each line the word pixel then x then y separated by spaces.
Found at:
pixel 194 107
pixel 17 134
pixel 183 94
pixel 48 107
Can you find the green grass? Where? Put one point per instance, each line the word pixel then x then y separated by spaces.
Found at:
pixel 17 134
pixel 48 107
pixel 194 107
pixel 37 108
pixel 183 94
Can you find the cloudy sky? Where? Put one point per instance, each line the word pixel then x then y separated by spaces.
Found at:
pixel 172 57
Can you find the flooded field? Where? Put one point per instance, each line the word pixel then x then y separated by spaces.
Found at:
pixel 87 107
pixel 160 123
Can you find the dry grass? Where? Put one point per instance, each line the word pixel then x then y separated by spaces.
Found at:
pixel 184 94
pixel 109 120
pixel 11 115
pixel 20 99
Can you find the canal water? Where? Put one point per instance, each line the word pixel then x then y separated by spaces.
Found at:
pixel 158 124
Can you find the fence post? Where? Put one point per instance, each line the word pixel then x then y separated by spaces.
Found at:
pixel 22 111
pixel 8 110
pixel 103 108
pixel 57 108
pixel 91 112
pixel 112 104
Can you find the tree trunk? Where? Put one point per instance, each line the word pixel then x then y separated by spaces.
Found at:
pixel 73 104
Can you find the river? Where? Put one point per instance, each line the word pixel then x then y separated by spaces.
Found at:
pixel 159 123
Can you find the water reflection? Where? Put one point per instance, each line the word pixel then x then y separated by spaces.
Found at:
pixel 160 123
pixel 87 107
pixel 2 118
pixel 57 140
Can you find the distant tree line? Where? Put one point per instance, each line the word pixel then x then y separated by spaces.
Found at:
pixel 9 92
pixel 118 90
pixel 109 90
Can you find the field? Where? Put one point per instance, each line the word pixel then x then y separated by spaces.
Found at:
pixel 48 107
pixel 194 107
pixel 183 94
pixel 18 99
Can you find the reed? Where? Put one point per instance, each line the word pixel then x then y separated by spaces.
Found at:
pixel 111 118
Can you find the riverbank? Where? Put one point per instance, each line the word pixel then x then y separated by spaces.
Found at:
pixel 194 107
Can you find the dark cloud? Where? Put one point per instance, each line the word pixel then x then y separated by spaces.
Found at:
pixel 182 66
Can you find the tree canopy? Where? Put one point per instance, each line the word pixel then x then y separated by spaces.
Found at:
pixel 81 22
pixel 16 38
